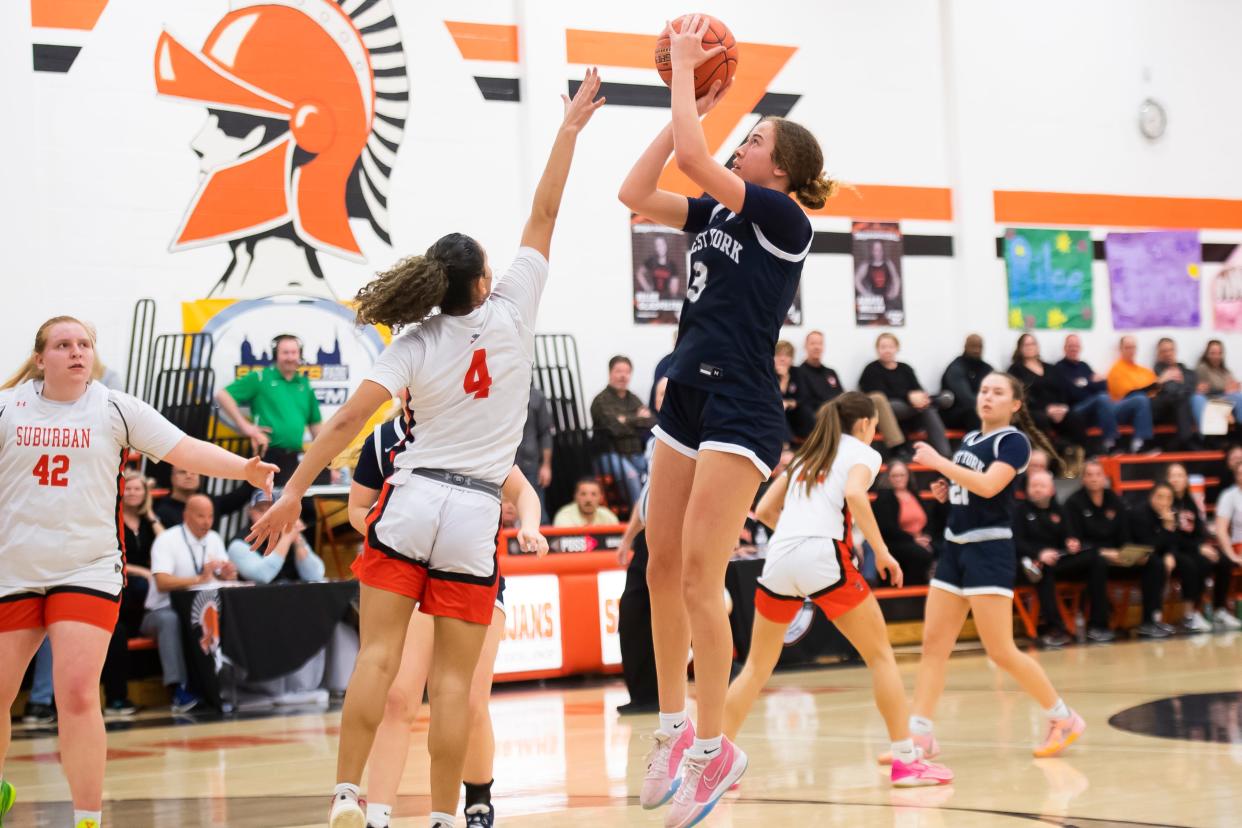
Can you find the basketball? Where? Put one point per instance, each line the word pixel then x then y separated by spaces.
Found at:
pixel 720 67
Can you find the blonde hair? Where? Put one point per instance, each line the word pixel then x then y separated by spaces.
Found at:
pixel 30 369
pixel 133 474
pixel 784 346
pixel 887 335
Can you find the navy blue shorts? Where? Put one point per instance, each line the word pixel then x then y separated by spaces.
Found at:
pixel 692 420
pixel 980 568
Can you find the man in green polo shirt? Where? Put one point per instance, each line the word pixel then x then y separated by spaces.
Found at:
pixel 282 406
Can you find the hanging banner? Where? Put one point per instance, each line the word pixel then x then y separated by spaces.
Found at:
pixel 660 261
pixel 1049 278
pixel 1154 279
pixel 1227 294
pixel 878 285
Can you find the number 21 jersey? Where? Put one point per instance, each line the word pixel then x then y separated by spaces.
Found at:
pixel 469 377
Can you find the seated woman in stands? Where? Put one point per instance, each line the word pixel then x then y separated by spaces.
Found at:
pixel 910 524
pixel 1196 557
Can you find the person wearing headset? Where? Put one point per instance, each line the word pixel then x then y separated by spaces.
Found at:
pixel 282 406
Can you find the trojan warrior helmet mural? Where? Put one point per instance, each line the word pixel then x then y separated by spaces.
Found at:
pixel 306 101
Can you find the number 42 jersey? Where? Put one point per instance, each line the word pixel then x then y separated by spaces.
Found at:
pixel 469 377
pixel 60 467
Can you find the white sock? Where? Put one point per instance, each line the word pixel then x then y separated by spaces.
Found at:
pixel 441 820
pixel 920 725
pixel 378 815
pixel 78 816
pixel 1057 711
pixel 903 751
pixel 705 747
pixel 672 722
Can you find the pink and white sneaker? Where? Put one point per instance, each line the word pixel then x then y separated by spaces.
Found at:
pixel 1061 734
pixel 924 743
pixel 703 781
pixel 347 812
pixel 918 774
pixel 664 766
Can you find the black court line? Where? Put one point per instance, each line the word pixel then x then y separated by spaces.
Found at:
pixel 50 57
pixel 276 811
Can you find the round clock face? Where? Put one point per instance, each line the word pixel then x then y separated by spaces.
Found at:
pixel 1152 119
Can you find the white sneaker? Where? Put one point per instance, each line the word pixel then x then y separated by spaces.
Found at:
pixel 1225 621
pixel 347 812
pixel 1196 623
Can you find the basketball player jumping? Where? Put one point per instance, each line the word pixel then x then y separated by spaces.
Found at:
pixel 431 536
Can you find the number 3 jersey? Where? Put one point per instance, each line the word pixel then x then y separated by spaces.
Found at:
pixel 469 377
pixel 744 272
pixel 60 483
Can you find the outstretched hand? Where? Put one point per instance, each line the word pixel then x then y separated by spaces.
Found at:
pixel 260 475
pixel 582 106
pixel 279 519
pixel 926 455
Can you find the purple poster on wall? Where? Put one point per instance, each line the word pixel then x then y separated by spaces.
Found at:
pixel 1154 279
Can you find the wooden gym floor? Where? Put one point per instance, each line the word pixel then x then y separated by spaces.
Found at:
pixel 1163 747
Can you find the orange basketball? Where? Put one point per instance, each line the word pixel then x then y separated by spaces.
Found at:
pixel 719 67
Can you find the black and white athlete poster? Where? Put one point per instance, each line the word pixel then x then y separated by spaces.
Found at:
pixel 660 264
pixel 878 288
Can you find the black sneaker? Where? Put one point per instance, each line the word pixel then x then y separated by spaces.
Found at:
pixel 39 713
pixel 1054 639
pixel 1152 629
pixel 480 816
pixel 120 707
pixel 1101 635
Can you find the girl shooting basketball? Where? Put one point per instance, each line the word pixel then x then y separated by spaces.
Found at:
pixel 722 423
pixel 64 441
pixel 813 507
pixel 431 538
pixel 976 569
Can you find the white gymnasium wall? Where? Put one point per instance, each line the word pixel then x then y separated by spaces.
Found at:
pixel 964 94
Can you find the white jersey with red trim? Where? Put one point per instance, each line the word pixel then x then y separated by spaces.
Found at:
pixel 60 476
pixel 821 513
pixel 469 378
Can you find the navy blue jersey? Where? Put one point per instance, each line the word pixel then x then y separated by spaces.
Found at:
pixel 744 272
pixel 375 461
pixel 973 517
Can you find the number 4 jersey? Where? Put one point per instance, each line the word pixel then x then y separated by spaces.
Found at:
pixel 60 482
pixel 469 377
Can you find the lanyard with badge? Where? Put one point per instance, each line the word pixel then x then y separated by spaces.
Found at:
pixel 201 561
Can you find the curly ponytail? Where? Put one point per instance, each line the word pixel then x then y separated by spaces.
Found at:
pixel 443 277
pixel 1022 419
pixel 798 153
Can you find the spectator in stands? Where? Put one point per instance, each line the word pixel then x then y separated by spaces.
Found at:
pixel 1216 380
pixel 788 381
pixel 189 554
pixel 1048 552
pixel 534 454
pixel 1048 402
pixel 1196 559
pixel 142 527
pixel 1088 397
pixel 962 379
pixel 908 523
pixel 1152 526
pixel 1040 461
pixel 619 419
pixel 1229 536
pixel 283 406
pixel 184 485
pixel 586 509
pixel 277 564
pixel 1181 393
pixel 1233 459
pixel 1168 398
pixel 817 384
pixel 1099 519
pixel 509 515
pixel 912 406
